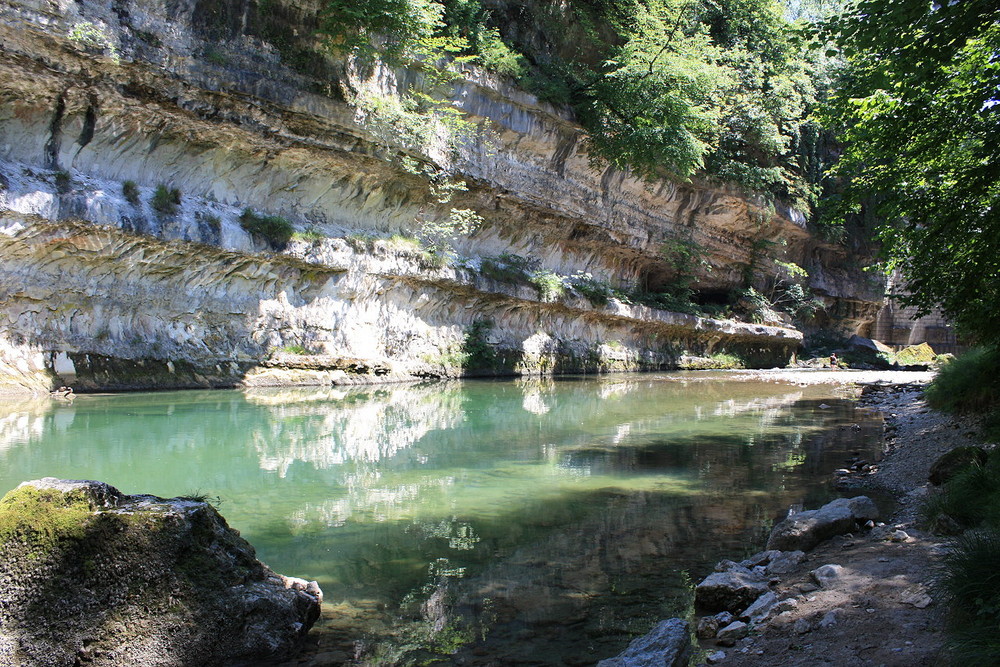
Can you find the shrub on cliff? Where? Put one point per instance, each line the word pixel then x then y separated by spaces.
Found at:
pixel 276 230
pixel 131 192
pixel 165 200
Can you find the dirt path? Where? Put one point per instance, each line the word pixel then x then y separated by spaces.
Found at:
pixel 880 610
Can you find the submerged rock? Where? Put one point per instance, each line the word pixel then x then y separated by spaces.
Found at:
pixel 805 530
pixel 666 645
pixel 91 575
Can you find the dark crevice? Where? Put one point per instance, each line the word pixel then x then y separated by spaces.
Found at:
pixel 55 134
pixel 89 122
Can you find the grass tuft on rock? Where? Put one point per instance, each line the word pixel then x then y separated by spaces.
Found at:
pixel 969 499
pixel 165 200
pixel 131 192
pixel 276 230
pixel 968 579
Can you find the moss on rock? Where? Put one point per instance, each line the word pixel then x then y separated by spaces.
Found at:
pixel 90 574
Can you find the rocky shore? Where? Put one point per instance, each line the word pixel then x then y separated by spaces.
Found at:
pixel 839 586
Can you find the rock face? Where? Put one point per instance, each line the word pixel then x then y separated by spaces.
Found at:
pixel 666 645
pixel 805 530
pixel 89 575
pixel 101 286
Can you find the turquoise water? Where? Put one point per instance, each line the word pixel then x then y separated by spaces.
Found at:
pixel 529 522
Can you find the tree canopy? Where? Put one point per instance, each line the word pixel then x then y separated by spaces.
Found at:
pixel 919 107
pixel 666 88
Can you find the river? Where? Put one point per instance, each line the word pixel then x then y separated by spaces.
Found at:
pixel 529 522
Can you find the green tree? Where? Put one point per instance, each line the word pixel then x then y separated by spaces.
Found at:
pixel 663 87
pixel 657 106
pixel 919 106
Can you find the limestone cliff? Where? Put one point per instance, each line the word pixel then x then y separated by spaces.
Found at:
pixel 109 107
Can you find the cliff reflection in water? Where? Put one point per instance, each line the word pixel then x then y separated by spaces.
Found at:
pixel 535 521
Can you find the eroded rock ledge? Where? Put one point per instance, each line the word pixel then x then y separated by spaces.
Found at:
pixel 153 298
pixel 90 575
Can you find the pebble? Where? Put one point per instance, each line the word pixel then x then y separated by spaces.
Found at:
pixel 829 619
pixel 808 587
pixel 787 604
pixel 827 575
pixel 899 536
pixel 715 657
pixel 802 626
pixel 917 597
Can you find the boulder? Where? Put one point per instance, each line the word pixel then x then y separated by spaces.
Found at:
pixel 916 356
pixel 772 561
pixel 666 645
pixel 89 575
pixel 860 342
pixel 804 530
pixel 732 590
pixel 761 558
pixel 785 562
pixel 951 462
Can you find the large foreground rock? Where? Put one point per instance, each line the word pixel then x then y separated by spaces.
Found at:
pixel 805 530
pixel 91 576
pixel 666 645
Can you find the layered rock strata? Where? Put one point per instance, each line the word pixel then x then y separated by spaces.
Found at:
pixel 106 106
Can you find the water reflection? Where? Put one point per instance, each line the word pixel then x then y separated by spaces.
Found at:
pixel 332 427
pixel 529 522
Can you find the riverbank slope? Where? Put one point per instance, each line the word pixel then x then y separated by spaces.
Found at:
pixel 881 609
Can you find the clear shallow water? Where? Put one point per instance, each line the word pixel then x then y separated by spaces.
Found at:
pixel 529 522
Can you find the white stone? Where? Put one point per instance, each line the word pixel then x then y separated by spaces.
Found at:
pixel 827 575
